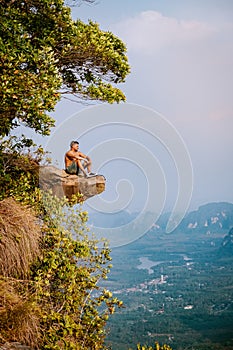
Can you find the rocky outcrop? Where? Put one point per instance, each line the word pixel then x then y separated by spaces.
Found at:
pixel 62 184
pixel 227 244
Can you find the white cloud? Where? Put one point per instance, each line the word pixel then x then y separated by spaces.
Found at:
pixel 184 69
pixel 151 31
pixel 186 66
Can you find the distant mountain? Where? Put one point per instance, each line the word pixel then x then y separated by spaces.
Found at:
pixel 208 218
pixel 111 219
pixel 227 244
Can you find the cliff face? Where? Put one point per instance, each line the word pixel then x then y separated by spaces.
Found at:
pixel 63 184
pixel 227 244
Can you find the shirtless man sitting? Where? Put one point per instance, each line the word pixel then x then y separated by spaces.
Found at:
pixel 74 159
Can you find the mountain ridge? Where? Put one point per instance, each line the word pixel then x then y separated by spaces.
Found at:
pixel 208 218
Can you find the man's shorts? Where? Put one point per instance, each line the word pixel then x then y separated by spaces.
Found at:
pixel 72 169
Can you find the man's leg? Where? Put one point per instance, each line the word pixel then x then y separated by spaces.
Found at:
pixel 87 165
pixel 80 166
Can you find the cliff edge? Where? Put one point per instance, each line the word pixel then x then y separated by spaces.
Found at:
pixel 62 184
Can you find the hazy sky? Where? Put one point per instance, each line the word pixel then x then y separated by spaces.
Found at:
pixel 181 57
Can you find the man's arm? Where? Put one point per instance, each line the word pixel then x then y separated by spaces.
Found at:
pixel 83 156
pixel 71 155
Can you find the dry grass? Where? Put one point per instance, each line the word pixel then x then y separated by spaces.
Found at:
pixel 19 318
pixel 19 247
pixel 19 239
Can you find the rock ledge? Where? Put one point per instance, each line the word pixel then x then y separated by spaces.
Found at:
pixel 63 184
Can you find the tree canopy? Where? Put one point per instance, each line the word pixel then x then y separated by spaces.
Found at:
pixel 44 54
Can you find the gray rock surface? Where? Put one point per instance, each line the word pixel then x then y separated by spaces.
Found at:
pixel 62 184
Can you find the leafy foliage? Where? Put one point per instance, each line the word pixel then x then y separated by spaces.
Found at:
pixel 74 309
pixel 19 164
pixel 44 53
pixel 29 76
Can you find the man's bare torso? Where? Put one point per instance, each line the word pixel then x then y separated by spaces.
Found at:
pixel 71 156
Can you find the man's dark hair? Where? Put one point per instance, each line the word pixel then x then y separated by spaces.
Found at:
pixel 73 143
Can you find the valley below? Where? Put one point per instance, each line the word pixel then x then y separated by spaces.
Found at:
pixel 177 289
